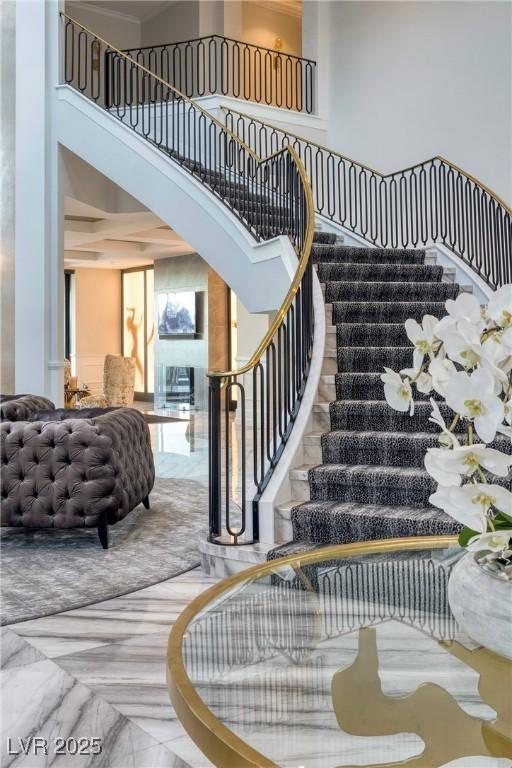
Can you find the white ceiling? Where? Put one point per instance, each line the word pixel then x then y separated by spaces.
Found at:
pixel 101 240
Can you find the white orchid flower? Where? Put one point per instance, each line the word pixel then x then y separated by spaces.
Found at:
pixel 499 307
pixel 422 380
pixel 449 467
pixel 503 429
pixel 422 336
pixel 497 350
pixel 470 503
pixel 494 541
pixel 466 309
pixel 397 391
pixel 474 398
pixel 436 418
pixel 441 372
pixel 460 330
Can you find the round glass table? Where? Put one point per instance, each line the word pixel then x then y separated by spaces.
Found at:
pixel 344 656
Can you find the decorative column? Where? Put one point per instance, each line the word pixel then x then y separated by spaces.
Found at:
pixel 39 274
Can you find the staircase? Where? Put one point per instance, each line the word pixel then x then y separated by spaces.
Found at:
pixel 365 477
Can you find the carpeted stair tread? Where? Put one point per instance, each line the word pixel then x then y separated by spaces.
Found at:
pixel 389 291
pixel 347 253
pixel 371 334
pixel 429 273
pixel 291 548
pixel 398 449
pixel 327 522
pixel 366 386
pixel 377 415
pixel 324 238
pixel 384 311
pixel 373 359
pixel 371 484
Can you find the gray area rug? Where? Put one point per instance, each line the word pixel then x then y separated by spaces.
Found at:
pixel 48 571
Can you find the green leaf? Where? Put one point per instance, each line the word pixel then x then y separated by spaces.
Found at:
pixel 501 521
pixel 465 535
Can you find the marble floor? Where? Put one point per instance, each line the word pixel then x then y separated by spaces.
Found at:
pixel 100 671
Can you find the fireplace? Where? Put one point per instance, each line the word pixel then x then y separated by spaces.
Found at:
pixel 179 385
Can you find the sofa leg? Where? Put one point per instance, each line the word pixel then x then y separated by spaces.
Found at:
pixel 103 531
pixel 146 502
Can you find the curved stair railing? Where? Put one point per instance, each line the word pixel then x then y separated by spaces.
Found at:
pixel 271 196
pixel 221 65
pixel 431 202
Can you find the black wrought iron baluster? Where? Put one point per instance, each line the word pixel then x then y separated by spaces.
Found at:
pixel 214 457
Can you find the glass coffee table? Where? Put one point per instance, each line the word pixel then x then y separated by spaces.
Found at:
pixel 344 656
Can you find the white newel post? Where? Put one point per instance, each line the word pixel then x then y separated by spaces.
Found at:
pixel 39 276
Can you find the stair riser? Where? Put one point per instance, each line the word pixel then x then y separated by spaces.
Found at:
pixel 380 273
pixel 392 451
pixel 329 364
pixel 335 291
pixel 326 392
pixel 336 490
pixel 300 490
pixel 313 452
pixel 345 528
pixel 371 335
pixel 348 254
pixel 328 238
pixel 379 416
pixel 357 388
pixel 361 359
pixel 321 421
pixel 372 450
pixel 383 312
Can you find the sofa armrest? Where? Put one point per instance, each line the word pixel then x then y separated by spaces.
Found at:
pixel 22 408
pixel 131 441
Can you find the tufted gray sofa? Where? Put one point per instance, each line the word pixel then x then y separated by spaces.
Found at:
pixel 75 472
pixel 22 407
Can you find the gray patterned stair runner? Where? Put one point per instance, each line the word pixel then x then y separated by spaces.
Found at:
pixel 372 483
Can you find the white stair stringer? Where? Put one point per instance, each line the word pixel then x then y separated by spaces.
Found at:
pixel 259 273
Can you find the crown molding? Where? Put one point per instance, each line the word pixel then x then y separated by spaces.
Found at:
pixel 105 12
pixel 288 7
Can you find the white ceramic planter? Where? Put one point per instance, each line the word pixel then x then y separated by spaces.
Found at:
pixel 482 605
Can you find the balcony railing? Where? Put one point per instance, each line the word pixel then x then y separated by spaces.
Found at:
pixel 431 202
pixel 221 65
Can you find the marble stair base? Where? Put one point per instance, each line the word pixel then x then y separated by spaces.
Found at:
pixel 219 560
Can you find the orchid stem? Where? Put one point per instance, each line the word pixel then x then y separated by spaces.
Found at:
pixel 454 423
pixel 470 434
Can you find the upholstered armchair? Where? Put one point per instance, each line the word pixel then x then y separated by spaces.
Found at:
pixel 75 469
pixel 118 384
pixel 67 372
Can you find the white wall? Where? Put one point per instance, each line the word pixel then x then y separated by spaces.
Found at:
pixel 115 28
pixel 409 80
pixel 97 323
pixel 180 21
pixel 262 24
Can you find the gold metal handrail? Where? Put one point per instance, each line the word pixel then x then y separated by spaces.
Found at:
pixel 303 262
pixel 442 159
pixel 303 257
